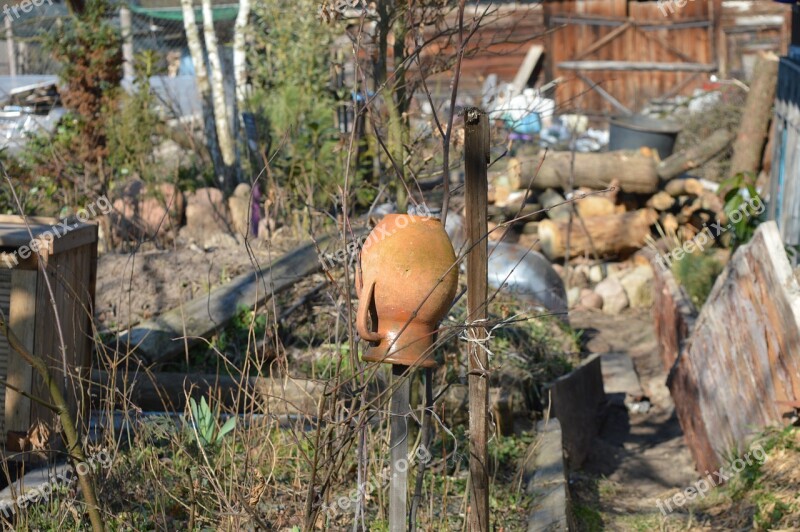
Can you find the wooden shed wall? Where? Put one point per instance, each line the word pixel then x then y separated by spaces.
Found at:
pixel 750 27
pixel 498 46
pixel 632 33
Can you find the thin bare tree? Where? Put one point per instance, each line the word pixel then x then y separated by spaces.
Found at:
pixel 195 46
pixel 222 115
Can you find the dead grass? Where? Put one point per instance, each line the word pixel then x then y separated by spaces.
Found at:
pixel 261 475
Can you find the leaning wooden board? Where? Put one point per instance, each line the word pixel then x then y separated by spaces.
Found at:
pixel 174 331
pixel 740 369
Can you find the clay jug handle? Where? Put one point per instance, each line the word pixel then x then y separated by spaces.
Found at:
pixel 361 316
pixel 359 280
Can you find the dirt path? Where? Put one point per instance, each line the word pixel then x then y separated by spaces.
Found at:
pixel 638 457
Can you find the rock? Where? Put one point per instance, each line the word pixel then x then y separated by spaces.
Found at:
pixel 548 199
pixel 596 274
pixel 140 213
pixel 511 199
pixel 530 228
pixel 616 269
pixel 501 194
pixel 613 294
pixel 579 279
pixel 661 201
pixel 638 286
pixel 573 294
pixel 529 242
pixel 501 187
pixel 498 233
pixel 206 219
pixel 240 208
pixel 514 173
pixel 170 156
pixel 582 269
pixel 590 300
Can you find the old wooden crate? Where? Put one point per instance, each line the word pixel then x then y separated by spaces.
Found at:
pixel 68 252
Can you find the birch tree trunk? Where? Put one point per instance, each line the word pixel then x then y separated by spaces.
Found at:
pixel 203 86
pixel 239 53
pixel 221 114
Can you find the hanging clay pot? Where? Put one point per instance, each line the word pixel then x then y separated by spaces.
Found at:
pixel 408 282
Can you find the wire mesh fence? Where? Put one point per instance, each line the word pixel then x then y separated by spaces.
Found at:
pixel 155 26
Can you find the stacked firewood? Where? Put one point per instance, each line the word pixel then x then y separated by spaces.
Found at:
pixel 615 201
pixel 603 205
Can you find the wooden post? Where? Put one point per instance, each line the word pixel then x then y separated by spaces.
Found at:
pixel 751 139
pixel 476 152
pixel 398 443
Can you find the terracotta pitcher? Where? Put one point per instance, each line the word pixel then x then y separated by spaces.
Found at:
pixel 408 282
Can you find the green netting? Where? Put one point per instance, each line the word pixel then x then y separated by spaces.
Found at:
pixel 220 13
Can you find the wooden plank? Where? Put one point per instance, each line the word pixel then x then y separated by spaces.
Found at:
pixel 525 71
pixel 9 260
pixel 636 66
pixel 476 152
pixel 605 95
pixel 14 233
pixel 74 318
pixel 577 399
pixel 46 339
pixel 81 235
pixel 162 338
pixel 604 41
pixel 674 315
pixel 5 349
pixel 21 320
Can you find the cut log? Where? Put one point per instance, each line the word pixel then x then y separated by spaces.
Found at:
pixel 685 160
pixel 172 332
pixel 683 187
pixel 669 223
pixel 635 172
pixel 609 235
pixel 167 392
pixel 748 148
pixel 661 201
pixel 591 206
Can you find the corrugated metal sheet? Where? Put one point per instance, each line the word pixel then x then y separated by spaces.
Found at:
pixel 784 205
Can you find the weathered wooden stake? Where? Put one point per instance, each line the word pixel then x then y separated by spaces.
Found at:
pixel 476 152
pixel 398 443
